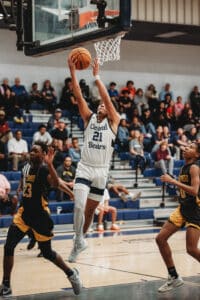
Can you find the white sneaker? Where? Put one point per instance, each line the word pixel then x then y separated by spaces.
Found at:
pixel 170 284
pixel 78 247
pixel 123 196
pixel 100 228
pixel 134 196
pixel 76 282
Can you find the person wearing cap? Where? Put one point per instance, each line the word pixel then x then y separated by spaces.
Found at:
pixel 53 120
pixel 42 135
pixel 61 132
pixel 5 131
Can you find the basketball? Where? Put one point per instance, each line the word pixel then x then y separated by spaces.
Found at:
pixel 82 56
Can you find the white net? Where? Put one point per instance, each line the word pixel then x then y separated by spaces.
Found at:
pixel 108 50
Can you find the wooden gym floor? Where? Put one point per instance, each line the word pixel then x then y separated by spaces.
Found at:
pixel 124 265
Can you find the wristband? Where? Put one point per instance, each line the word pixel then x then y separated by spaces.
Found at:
pixel 97 77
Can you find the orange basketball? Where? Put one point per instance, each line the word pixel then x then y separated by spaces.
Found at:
pixel 82 56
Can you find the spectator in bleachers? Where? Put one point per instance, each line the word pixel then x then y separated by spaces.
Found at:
pixel 61 133
pixel 53 120
pixel 188 120
pixel 178 107
pixel 17 150
pixel 140 101
pixel 195 100
pixel 35 94
pixel 192 134
pixel 180 141
pixel 159 116
pixel 59 153
pixel 5 131
pixel 147 121
pixel 66 94
pixel 48 96
pixel 170 115
pixel 136 150
pixel 167 138
pixel 126 104
pixel 75 151
pixel 8 203
pixel 21 95
pixel 136 124
pixel 157 138
pixel 163 159
pixel 66 172
pixel 168 99
pixel 113 93
pixel 18 116
pixel 6 98
pixel 104 208
pixel 42 135
pixel 3 157
pixel 123 135
pixel 152 97
pixel 130 88
pixel 162 120
pixel 166 90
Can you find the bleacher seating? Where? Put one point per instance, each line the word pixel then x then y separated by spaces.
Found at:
pixel 126 211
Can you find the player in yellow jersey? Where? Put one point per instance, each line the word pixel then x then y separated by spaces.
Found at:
pixel 33 214
pixel 187 214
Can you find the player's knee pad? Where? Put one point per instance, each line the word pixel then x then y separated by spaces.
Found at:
pixel 80 195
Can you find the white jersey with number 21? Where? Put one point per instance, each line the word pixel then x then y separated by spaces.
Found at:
pixel 98 143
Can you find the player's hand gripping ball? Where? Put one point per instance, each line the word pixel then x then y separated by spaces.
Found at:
pixel 82 58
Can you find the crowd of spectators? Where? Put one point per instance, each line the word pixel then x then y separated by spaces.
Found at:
pixel 154 126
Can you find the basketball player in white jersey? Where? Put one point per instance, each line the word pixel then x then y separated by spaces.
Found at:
pixel 92 171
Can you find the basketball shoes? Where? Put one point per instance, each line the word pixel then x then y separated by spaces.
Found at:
pixel 170 284
pixel 76 282
pixel 78 247
pixel 5 291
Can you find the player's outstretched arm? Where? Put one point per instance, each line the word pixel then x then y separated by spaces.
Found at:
pixel 112 113
pixel 192 189
pixel 64 188
pixel 52 177
pixel 84 111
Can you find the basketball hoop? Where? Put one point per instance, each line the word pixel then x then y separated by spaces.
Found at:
pixel 108 50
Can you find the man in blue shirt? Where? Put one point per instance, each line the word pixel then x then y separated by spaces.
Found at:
pixel 21 95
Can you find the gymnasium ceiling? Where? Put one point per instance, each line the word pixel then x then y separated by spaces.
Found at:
pixel 140 31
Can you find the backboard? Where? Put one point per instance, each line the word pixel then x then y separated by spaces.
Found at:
pixel 55 25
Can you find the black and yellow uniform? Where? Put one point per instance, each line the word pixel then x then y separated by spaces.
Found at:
pixel 188 212
pixel 34 212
